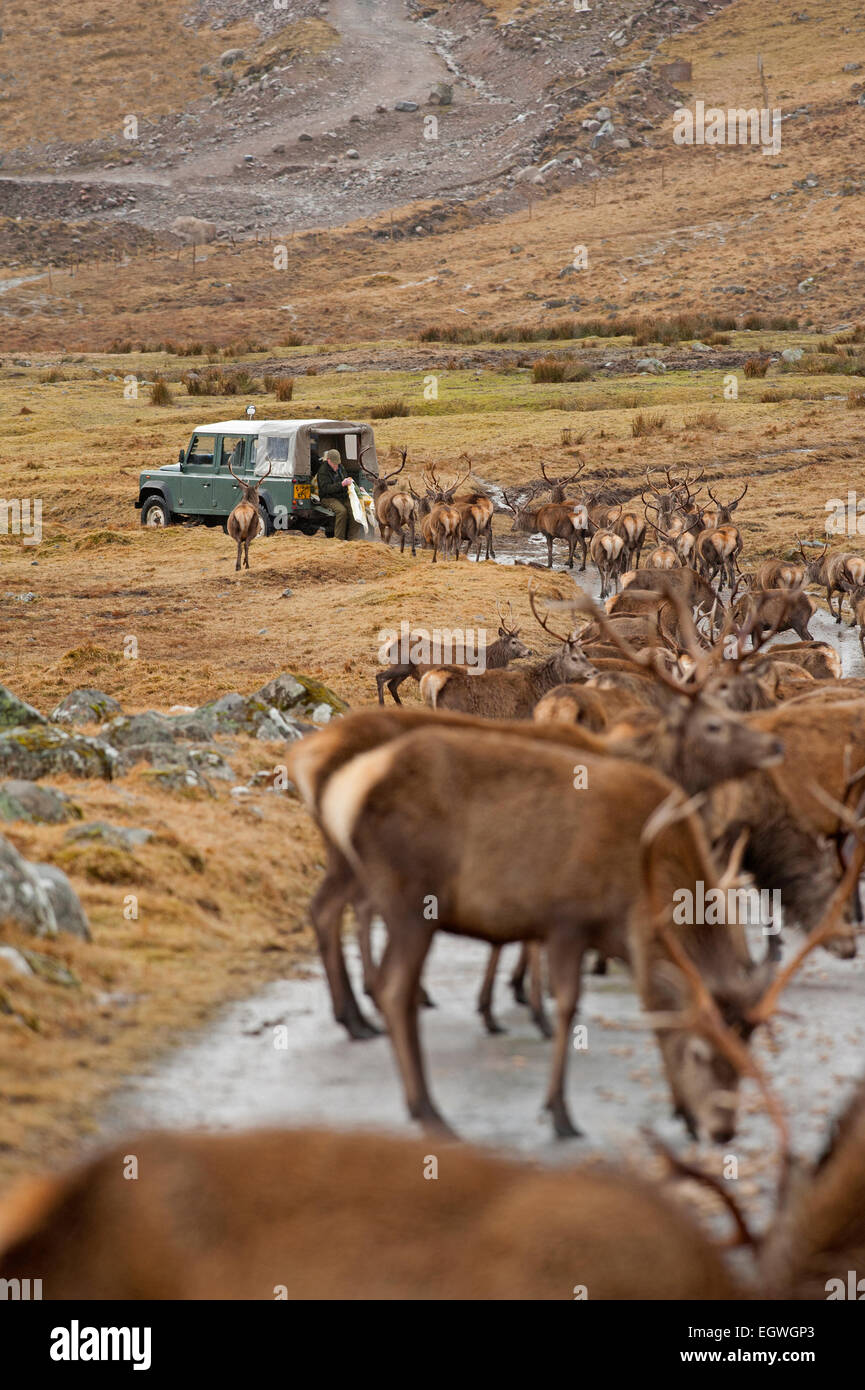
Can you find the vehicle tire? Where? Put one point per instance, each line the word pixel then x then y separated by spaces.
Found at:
pixel 266 521
pixel 155 513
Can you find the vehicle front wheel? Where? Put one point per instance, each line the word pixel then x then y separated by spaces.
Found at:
pixel 155 513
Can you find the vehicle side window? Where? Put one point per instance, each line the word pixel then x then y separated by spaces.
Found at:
pixel 232 450
pixel 202 450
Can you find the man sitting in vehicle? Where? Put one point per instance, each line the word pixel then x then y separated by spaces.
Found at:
pixel 331 480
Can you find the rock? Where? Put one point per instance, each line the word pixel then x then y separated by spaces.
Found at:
pixel 42 750
pixel 852 67
pixel 621 143
pixel 352 154
pixel 287 593
pixel 68 912
pixel 28 801
pixel 604 113
pixel 591 124
pixel 406 106
pixel 442 94
pixel 85 707
pixel 344 367
pixel 304 136
pixel 651 364
pixel 805 285
pixel 231 56
pixel 133 729
pixel 38 897
pixel 792 354
pixel 15 713
pixel 194 231
pixel 120 836
pixel 17 961
pixel 295 694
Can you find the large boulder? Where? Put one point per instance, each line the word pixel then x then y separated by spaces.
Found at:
pixel 28 801
pixel 38 897
pixel 86 707
pixel 43 750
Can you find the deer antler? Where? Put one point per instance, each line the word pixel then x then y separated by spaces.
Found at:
pixel 509 504
pixel 507 621
pixel 645 660
pixel 543 622
pixel 704 1016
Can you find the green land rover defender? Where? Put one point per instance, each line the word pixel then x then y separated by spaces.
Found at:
pixel 200 488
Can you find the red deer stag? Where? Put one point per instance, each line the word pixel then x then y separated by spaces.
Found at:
pixel 506 648
pixel 571 871
pixel 555 521
pixel 508 694
pixel 245 521
pixel 394 510
pixel 834 572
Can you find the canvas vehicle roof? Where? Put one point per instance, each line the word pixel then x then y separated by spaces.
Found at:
pixel 284 444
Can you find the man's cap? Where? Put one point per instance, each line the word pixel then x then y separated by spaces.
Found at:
pixel 332 455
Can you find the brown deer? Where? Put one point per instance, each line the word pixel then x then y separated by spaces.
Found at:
pixel 507 694
pixel 834 572
pixel 476 520
pixel 239 1216
pixel 394 510
pixel 608 553
pixel 440 526
pixel 594 882
pixel 245 522
pixel 765 609
pixel 562 521
pixel 779 574
pixel 664 556
pixel 506 648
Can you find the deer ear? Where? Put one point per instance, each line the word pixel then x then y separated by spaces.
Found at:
pixel 502 632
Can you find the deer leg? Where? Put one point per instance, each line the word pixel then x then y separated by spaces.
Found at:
pixel 485 998
pixel 585 550
pixel 536 990
pixel 572 545
pixel 491 550
pixel 565 955
pixel 518 976
pixel 398 980
pixel 239 553
pixel 325 910
pixel 246 554
pixel 600 965
pixel 364 914
pixel 549 552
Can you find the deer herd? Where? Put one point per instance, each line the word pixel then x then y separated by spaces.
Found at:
pixel 560 800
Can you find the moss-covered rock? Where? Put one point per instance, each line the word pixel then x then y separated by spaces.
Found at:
pixel 15 713
pixel 40 750
pixel 38 897
pixel 28 801
pixel 86 707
